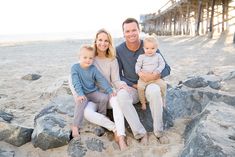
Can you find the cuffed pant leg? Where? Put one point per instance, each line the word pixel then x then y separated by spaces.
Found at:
pixel 126 104
pixel 153 95
pixel 79 113
pixel 117 116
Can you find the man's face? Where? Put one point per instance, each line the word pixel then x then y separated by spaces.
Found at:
pixel 131 32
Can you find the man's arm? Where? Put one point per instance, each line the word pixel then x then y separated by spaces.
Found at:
pixel 167 70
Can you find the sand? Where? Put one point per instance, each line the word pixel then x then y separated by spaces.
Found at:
pixel 186 55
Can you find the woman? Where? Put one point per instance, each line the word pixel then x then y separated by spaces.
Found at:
pixel 106 62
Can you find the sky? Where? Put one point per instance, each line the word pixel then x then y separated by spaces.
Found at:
pixel 67 16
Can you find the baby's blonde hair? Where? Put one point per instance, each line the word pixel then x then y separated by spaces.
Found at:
pixel 152 39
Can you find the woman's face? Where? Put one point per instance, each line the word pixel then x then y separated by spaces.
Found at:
pixel 102 42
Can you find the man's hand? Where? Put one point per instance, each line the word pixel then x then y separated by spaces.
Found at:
pixel 146 76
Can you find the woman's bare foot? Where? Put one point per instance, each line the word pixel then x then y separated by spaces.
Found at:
pixel 144 140
pixel 75 132
pixel 122 143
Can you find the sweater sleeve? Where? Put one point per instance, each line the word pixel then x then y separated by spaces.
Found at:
pixel 115 77
pixel 161 64
pixel 75 80
pixel 101 80
pixel 139 63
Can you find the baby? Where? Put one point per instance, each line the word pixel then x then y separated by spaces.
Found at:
pixel 150 62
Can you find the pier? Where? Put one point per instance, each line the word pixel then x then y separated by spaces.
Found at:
pixel 191 17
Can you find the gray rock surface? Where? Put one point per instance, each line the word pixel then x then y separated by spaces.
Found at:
pixel 211 133
pixel 4 153
pixel 14 134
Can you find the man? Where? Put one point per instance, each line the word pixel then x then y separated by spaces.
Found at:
pixel 127 54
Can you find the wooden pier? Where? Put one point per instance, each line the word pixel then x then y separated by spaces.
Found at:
pixel 190 17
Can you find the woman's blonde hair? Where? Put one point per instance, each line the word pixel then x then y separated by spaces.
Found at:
pixel 110 53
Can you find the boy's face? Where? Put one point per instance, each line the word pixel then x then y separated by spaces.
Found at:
pixel 150 48
pixel 86 58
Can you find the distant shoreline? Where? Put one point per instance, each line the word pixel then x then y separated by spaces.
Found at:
pixel 52 36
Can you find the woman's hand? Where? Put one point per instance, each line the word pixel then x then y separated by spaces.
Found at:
pixel 124 86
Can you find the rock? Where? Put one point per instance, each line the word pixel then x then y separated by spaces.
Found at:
pixel 215 85
pixel 95 144
pixel 209 134
pixel 6 116
pixel 195 82
pixel 99 131
pixel 31 77
pixel 3 96
pixel 183 103
pixel 229 76
pixel 210 72
pixel 14 134
pixel 4 153
pixel 51 131
pixel 76 148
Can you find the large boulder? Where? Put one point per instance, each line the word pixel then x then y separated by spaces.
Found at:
pixel 211 133
pixel 14 134
pixel 185 103
pixel 52 124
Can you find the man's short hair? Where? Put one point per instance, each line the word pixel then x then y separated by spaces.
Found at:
pixel 130 20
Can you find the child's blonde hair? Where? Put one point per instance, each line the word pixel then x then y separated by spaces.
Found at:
pixel 152 39
pixel 86 47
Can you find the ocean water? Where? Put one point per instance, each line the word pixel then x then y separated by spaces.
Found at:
pixel 56 36
pixel 53 36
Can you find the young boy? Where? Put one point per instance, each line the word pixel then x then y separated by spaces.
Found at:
pixel 85 77
pixel 151 62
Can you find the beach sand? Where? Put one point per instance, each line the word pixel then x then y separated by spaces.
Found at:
pixel 187 56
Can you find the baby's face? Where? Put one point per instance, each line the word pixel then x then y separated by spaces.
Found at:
pixel 150 48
